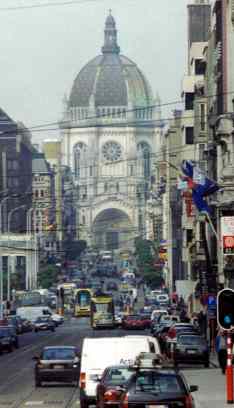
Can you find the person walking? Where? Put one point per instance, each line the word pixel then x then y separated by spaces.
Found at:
pixel 221 349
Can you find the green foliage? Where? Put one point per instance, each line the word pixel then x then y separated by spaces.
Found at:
pixel 73 249
pixel 48 276
pixel 145 262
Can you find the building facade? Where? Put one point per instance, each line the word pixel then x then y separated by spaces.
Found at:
pixel 110 134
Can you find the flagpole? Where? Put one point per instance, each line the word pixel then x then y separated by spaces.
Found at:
pixel 212 227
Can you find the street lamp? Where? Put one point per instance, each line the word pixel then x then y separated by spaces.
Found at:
pixel 8 265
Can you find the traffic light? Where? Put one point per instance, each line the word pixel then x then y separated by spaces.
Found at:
pixel 225 309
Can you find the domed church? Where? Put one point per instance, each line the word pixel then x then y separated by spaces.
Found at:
pixel 111 131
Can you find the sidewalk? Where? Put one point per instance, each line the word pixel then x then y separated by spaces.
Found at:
pixel 214 360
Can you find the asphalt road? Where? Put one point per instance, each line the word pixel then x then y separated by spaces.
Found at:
pixel 17 388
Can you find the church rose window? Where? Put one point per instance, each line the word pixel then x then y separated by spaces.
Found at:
pixel 111 151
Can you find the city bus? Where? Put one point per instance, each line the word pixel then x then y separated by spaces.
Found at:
pixel 82 302
pixel 102 311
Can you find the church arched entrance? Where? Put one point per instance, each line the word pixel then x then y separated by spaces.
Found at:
pixel 112 229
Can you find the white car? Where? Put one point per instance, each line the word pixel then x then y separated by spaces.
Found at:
pixel 57 319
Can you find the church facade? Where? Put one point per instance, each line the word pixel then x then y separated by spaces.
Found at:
pixel 111 133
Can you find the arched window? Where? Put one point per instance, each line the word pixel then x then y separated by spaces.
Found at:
pixel 117 187
pixel 83 219
pixel 144 153
pixel 105 187
pixel 80 155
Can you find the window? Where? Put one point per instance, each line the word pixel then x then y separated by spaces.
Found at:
pixel 189 99
pixel 189 135
pixel 201 151
pixel 189 236
pixel 90 171
pixel 144 153
pixel 42 193
pixel 202 117
pixel 131 170
pixel 199 67
pixel 79 153
pixel 12 165
pixel 36 193
pixel 105 187
pixel 83 219
pixel 117 187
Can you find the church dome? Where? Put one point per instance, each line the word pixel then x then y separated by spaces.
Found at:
pixel 110 79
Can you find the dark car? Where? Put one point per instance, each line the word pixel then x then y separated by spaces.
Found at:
pixel 57 364
pixel 133 322
pixel 8 338
pixel 27 326
pixel 107 390
pixel 191 349
pixel 16 321
pixel 44 323
pixel 157 388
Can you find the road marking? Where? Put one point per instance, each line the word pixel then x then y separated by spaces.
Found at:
pixel 29 403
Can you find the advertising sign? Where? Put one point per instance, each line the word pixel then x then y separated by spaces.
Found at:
pixel 227 234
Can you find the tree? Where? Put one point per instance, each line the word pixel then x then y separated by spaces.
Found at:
pixel 73 249
pixel 48 276
pixel 145 261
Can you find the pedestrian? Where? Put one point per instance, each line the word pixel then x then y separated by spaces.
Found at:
pixel 221 350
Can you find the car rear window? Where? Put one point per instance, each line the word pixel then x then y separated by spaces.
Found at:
pixel 59 354
pixel 118 375
pixel 4 331
pixel 148 381
pixel 194 340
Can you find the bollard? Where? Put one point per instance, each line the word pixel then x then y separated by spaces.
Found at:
pixel 229 370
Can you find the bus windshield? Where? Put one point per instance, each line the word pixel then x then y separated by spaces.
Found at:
pixel 83 298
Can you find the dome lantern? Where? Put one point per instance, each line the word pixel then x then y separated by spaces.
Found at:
pixel 110 37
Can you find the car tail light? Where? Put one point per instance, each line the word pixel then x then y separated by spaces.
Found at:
pixel 125 401
pixel 189 401
pixel 172 333
pixel 82 381
pixel 111 395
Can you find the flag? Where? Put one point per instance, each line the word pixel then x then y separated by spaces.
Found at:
pixel 200 184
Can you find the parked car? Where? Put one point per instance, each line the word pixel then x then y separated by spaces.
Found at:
pixel 8 338
pixel 108 389
pixel 155 387
pixel 191 348
pixel 44 323
pixel 57 364
pixel 133 322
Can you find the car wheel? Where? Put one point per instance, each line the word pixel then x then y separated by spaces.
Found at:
pixel 52 329
pixel 37 382
pixel 207 364
pixel 36 330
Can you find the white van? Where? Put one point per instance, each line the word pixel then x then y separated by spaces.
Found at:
pixel 33 312
pixel 99 353
pixel 158 312
pixel 154 346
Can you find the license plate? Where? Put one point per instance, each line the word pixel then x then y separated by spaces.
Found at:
pixel 191 351
pixel 57 367
pixel 156 406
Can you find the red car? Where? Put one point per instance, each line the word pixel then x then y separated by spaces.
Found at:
pixel 133 322
pixel 109 388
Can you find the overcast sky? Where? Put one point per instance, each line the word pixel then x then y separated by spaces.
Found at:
pixel 43 49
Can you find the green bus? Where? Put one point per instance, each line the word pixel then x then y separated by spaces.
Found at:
pixel 102 313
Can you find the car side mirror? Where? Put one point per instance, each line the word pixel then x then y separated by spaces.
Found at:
pixel 193 388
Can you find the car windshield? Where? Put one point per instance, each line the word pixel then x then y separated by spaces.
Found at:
pixel 118 375
pixel 194 340
pixel 157 383
pixel 42 319
pixel 59 354
pixel 133 318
